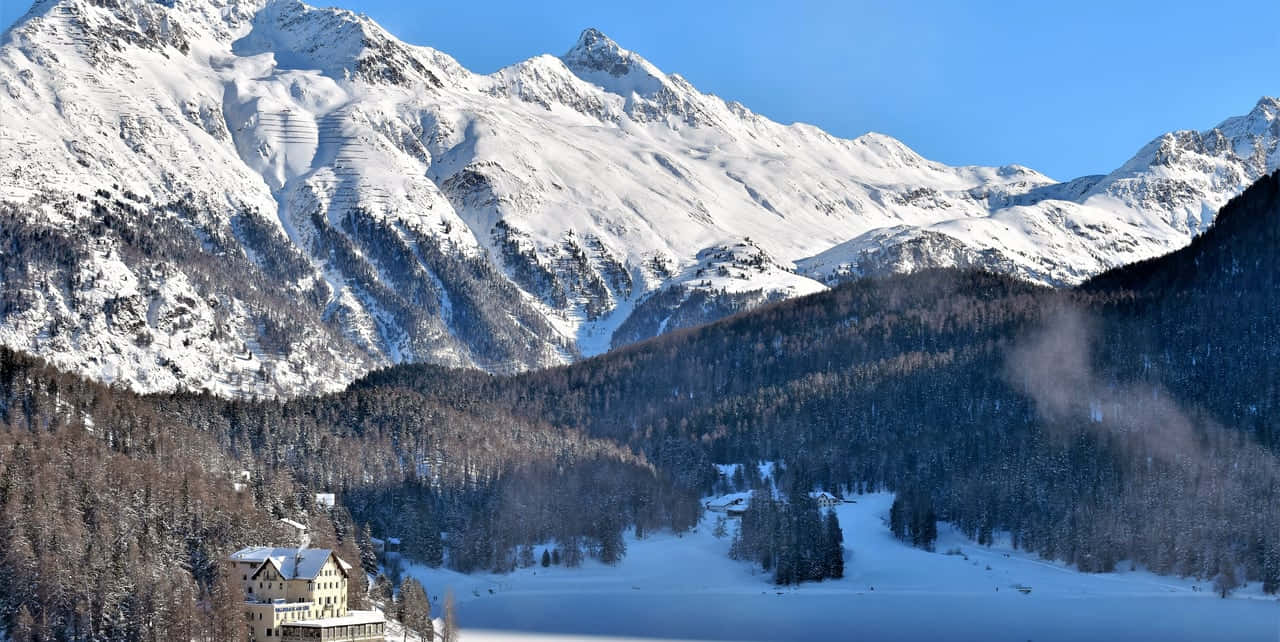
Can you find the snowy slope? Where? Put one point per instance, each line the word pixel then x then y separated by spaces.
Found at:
pixel 890 591
pixel 1065 232
pixel 292 196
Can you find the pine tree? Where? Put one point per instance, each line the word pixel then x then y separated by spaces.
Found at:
pixel 1225 583
pixel 929 530
pixel 898 518
pixel 368 556
pixel 612 545
pixel 546 558
pixel 834 543
pixel 414 609
pixel 572 555
pixel 382 590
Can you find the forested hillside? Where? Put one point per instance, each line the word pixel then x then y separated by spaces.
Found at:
pixel 1130 419
pixel 116 509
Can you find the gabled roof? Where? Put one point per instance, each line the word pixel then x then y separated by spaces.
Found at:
pixel 290 563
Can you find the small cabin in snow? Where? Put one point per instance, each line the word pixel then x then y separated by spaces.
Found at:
pixel 825 499
pixel 734 507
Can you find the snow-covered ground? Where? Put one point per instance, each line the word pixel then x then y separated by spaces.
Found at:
pixel 671 587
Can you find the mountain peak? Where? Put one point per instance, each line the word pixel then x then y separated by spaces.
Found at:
pixel 592 38
pixel 1267 108
pixel 598 53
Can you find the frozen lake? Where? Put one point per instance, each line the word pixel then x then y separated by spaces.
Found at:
pixel 686 588
pixel 884 617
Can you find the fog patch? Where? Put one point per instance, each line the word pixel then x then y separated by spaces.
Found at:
pixel 1053 366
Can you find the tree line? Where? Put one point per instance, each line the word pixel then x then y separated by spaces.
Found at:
pixel 792 539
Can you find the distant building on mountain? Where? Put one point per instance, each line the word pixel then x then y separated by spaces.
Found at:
pixel 825 499
pixel 300 594
pixel 733 505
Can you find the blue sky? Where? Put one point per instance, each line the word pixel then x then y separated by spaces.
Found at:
pixel 1068 88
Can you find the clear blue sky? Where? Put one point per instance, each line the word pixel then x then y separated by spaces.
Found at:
pixel 1068 88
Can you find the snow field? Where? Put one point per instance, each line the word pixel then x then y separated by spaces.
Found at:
pixel 672 587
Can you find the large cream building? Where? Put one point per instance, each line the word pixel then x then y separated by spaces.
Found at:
pixel 297 594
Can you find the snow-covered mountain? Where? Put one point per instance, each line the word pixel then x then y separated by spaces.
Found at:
pixel 261 197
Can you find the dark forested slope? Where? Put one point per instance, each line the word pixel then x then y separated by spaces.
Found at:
pixel 1133 418
pixel 115 508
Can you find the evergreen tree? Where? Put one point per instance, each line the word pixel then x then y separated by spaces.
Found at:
pixel 898 518
pixel 382 590
pixel 612 545
pixel 414 608
pixel 572 555
pixel 546 558
pixel 929 529
pixel 721 528
pixel 368 555
pixel 833 538
pixel 1270 569
pixel 357 582
pixel 1226 581
pixel 526 559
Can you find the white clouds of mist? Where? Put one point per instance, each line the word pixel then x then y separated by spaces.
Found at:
pixel 1053 366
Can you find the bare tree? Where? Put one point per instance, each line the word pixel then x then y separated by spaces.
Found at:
pixel 450 628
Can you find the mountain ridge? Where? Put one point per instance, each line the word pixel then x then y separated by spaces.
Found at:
pixel 389 205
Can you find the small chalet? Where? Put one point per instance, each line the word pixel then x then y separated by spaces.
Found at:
pixel 826 500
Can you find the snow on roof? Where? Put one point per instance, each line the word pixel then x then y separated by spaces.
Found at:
pixel 352 617
pixel 292 563
pixel 822 495
pixel 288 522
pixel 732 500
pixel 326 499
pixel 254 553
